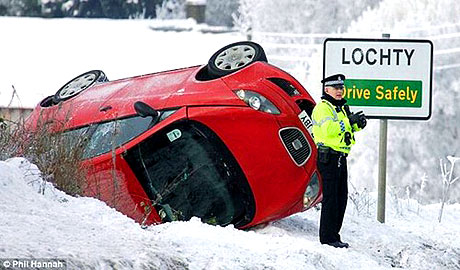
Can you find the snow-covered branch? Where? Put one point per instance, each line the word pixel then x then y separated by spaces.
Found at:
pixel 447 180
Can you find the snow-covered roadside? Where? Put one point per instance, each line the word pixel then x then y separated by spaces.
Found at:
pixel 89 234
pixel 84 231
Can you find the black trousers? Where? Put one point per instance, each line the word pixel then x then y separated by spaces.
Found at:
pixel 335 195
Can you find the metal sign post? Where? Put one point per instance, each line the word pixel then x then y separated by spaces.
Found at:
pixel 382 171
pixel 382 181
pixel 386 79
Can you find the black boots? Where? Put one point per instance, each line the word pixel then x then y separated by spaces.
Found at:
pixel 338 244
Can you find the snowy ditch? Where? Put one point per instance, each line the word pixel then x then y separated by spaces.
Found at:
pixel 39 221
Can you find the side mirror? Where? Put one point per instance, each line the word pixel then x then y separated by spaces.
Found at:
pixel 144 110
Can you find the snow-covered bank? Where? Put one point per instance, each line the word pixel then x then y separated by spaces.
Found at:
pixel 38 221
pixel 84 231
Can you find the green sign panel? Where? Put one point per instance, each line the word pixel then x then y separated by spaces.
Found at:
pixel 383 93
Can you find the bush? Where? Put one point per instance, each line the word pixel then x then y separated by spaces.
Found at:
pixel 115 9
pixel 3 10
pixel 171 9
pixel 55 154
pixel 20 8
pixel 220 13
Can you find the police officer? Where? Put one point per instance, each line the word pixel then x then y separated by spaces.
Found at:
pixel 333 129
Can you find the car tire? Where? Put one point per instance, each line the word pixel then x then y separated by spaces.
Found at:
pixel 79 84
pixel 234 57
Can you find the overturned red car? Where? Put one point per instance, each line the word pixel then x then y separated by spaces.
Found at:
pixel 227 142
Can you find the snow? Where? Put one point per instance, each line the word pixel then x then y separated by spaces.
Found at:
pixel 39 55
pixel 39 221
pixel 196 2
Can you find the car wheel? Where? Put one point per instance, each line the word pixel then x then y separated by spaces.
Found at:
pixel 234 57
pixel 79 84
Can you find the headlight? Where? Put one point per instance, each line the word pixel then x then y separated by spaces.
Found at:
pixel 312 191
pixel 257 101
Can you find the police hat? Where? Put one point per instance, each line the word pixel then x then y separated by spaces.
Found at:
pixel 334 80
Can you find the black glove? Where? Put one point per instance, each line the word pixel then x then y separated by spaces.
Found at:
pixel 362 121
pixel 354 117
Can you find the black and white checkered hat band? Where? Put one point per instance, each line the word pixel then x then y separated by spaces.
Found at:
pixel 330 83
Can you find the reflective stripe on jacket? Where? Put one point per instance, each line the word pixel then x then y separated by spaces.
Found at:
pixel 330 126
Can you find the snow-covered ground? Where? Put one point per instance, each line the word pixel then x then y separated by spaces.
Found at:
pixel 39 221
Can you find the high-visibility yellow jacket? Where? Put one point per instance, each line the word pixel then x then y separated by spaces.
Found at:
pixel 331 125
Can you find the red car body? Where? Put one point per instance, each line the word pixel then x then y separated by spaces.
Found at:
pixel 254 143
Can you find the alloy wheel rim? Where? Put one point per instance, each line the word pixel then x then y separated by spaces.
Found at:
pixel 77 85
pixel 235 57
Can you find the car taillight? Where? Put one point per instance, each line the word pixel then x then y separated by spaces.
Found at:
pixel 257 101
pixel 311 193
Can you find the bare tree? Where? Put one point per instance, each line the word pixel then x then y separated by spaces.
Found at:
pixel 447 180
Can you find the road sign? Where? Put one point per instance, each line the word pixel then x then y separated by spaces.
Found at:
pixel 385 78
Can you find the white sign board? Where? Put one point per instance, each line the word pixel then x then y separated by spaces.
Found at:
pixel 385 78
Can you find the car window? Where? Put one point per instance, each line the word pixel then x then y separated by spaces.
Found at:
pixel 110 135
pixel 101 138
pixel 75 137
